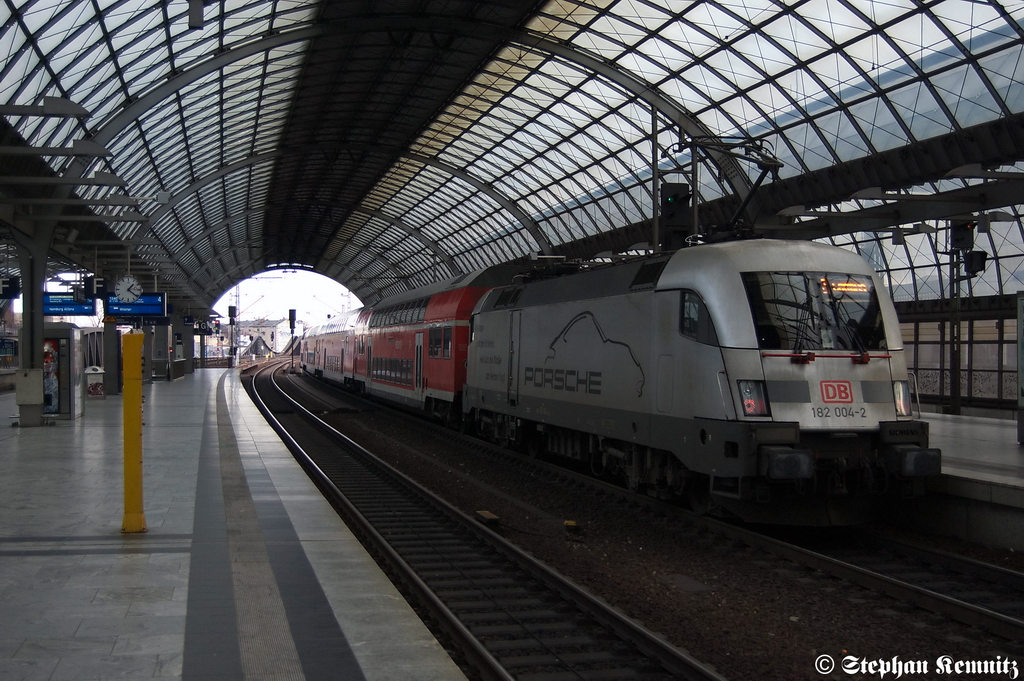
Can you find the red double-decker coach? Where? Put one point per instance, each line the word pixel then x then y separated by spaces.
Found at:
pixel 409 348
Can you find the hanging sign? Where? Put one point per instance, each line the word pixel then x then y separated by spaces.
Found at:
pixel 64 305
pixel 147 305
pixel 10 287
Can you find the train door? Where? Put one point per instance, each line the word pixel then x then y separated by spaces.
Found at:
pixel 515 326
pixel 369 359
pixel 417 364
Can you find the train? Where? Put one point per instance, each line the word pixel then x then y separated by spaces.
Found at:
pixel 763 380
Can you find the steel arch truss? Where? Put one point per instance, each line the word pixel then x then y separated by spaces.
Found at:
pixel 435 138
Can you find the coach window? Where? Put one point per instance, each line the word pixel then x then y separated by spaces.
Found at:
pixel 447 344
pixel 695 321
pixel 434 343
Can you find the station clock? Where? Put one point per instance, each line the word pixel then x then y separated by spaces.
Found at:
pixel 127 289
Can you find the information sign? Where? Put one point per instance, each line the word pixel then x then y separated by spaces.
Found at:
pixel 148 305
pixel 64 305
pixel 10 288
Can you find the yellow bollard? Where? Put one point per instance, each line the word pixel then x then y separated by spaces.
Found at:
pixel 131 356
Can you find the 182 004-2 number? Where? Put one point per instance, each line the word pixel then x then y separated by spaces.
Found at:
pixel 839 412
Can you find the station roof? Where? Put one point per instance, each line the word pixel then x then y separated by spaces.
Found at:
pixel 391 144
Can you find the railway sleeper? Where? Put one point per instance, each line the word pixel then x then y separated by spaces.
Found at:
pixel 464 606
pixel 584 658
pixel 514 629
pixel 559 643
pixel 519 616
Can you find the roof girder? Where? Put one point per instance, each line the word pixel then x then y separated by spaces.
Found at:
pixel 134 110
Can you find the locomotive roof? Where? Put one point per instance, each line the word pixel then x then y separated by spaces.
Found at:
pixel 711 270
pixel 703 268
pixel 691 266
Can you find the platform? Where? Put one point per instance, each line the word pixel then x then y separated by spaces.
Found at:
pixel 245 572
pixel 980 495
pixel 981 458
pixel 978 448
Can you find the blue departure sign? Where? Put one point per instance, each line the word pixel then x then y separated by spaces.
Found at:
pixel 148 305
pixel 64 305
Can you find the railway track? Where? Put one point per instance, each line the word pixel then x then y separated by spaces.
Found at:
pixel 511 616
pixel 966 591
pixel 970 592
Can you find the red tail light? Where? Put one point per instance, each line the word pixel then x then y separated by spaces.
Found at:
pixel 754 398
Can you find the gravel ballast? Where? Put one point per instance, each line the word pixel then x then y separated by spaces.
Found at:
pixel 748 614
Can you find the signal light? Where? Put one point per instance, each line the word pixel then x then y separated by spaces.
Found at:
pixel 675 199
pixel 961 235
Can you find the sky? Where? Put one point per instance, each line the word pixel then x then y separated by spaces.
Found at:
pixel 269 295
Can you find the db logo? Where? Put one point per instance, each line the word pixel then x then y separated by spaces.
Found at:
pixel 836 392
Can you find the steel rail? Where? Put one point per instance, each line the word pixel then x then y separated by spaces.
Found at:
pixel 961 611
pixel 478 656
pixel 676 662
pixel 957 609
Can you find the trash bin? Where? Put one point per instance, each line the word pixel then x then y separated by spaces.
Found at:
pixel 94 385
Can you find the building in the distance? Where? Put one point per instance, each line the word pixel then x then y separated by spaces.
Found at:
pixel 274 332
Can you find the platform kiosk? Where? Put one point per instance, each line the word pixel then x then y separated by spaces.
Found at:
pixel 63 371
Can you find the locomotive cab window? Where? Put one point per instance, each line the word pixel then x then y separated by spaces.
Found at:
pixel 695 320
pixel 802 311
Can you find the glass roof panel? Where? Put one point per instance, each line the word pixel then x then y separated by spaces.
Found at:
pixel 836 21
pixel 875 56
pixel 879 124
pixel 715 23
pixel 972 22
pixel 842 135
pixel 918 36
pixel 1005 70
pixel 795 36
pixel 711 86
pixel 617 29
pixel 920 111
pixel 824 81
pixel 39 14
pixel 83 44
pixel 765 56
pixel 966 96
pixel 734 68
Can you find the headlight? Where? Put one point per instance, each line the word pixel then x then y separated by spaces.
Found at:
pixel 754 398
pixel 901 396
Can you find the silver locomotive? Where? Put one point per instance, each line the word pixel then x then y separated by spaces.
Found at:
pixel 762 379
